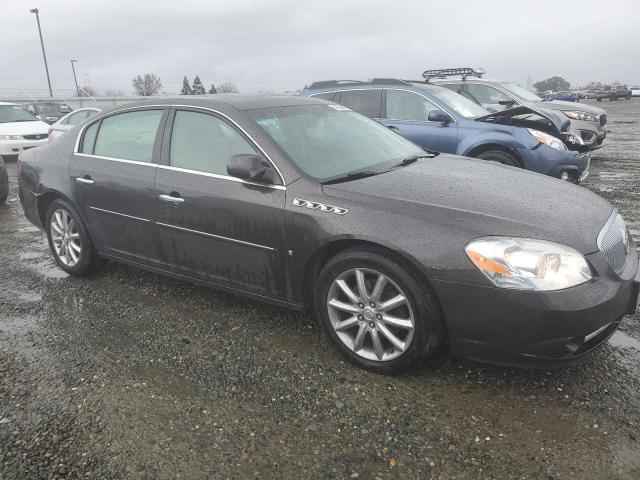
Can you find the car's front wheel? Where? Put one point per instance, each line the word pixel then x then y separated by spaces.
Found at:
pixel 377 310
pixel 69 240
pixel 500 157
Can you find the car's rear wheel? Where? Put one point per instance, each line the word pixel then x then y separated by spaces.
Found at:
pixel 500 157
pixel 377 311
pixel 69 240
pixel 4 182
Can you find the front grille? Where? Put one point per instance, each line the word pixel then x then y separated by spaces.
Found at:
pixel 37 136
pixel 603 119
pixel 614 242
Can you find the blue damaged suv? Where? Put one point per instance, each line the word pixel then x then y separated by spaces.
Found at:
pixel 439 119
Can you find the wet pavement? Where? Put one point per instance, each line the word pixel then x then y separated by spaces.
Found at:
pixel 128 374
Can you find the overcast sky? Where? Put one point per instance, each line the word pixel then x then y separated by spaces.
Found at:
pixel 280 45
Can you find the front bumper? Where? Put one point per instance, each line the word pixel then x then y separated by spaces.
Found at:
pixel 549 161
pixel 15 147
pixel 538 329
pixel 593 134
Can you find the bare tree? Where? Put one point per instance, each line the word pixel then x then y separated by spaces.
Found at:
pixel 114 93
pixel 87 91
pixel 227 87
pixel 147 85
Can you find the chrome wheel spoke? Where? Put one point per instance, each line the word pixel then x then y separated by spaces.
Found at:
pixel 65 238
pixel 397 322
pixel 75 247
pixel 347 291
pixel 392 303
pixel 347 324
pixel 381 282
pixel 362 288
pixel 358 343
pixel 345 307
pixel 377 344
pixel 56 227
pixel 393 340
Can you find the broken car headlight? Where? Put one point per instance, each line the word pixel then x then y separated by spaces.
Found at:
pixel 547 139
pixel 528 264
pixel 588 117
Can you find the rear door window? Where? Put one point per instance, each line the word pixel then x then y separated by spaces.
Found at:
pixel 129 136
pixel 366 102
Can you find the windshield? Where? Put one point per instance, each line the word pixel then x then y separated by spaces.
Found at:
pixel 52 108
pixel 462 105
pixel 523 93
pixel 15 113
pixel 328 141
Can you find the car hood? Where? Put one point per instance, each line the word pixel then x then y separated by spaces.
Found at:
pixel 482 198
pixel 568 106
pixel 559 121
pixel 24 128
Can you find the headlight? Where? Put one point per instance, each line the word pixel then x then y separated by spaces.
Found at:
pixel 10 137
pixel 547 139
pixel 589 117
pixel 528 264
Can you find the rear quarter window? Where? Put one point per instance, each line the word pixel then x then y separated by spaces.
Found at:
pixel 89 138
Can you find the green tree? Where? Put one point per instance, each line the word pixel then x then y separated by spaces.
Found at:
pixel 198 88
pixel 213 89
pixel 186 88
pixel 554 84
pixel 227 87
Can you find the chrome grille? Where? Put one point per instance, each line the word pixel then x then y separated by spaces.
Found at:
pixel 603 119
pixel 614 242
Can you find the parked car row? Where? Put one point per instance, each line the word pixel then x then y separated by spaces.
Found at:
pixel 614 93
pixel 305 203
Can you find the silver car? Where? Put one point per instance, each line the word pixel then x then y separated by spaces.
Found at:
pixel 587 120
pixel 71 120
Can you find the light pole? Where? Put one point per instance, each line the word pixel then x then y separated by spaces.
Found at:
pixel 44 55
pixel 74 77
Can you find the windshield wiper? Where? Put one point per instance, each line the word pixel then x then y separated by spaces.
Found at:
pixel 414 158
pixel 354 176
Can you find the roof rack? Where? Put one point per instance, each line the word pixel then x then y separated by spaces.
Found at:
pixel 389 81
pixel 453 72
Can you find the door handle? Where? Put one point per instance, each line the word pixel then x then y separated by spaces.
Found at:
pixel 86 180
pixel 171 199
pixel 391 127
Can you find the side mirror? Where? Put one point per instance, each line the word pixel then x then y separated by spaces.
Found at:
pixel 508 103
pixel 251 168
pixel 439 116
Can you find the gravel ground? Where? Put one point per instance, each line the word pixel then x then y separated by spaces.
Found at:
pixel 133 375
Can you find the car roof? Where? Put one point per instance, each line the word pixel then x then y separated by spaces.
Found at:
pixel 7 103
pixel 234 100
pixel 328 86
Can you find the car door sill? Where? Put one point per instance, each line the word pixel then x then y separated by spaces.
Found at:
pixel 234 290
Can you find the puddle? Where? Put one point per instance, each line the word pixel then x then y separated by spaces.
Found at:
pixel 622 340
pixel 30 255
pixel 21 296
pixel 14 325
pixel 50 271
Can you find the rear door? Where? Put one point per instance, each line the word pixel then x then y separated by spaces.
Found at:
pixel 114 171
pixel 211 226
pixel 366 102
pixel 407 113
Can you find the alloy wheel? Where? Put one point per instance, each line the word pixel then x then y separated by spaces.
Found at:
pixel 65 237
pixel 370 314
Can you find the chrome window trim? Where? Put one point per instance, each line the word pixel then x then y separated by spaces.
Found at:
pixel 144 220
pixel 221 177
pixel 219 237
pixel 252 140
pixel 122 160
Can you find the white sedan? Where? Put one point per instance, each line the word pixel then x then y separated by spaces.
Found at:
pixel 19 130
pixel 70 120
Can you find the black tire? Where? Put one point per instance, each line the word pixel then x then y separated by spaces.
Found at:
pixel 500 157
pixel 428 328
pixel 628 97
pixel 598 99
pixel 4 182
pixel 89 261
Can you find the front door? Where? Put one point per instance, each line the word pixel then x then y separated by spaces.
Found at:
pixel 113 173
pixel 211 226
pixel 407 113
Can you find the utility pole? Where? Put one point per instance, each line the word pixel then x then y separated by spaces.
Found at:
pixel 74 77
pixel 44 55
